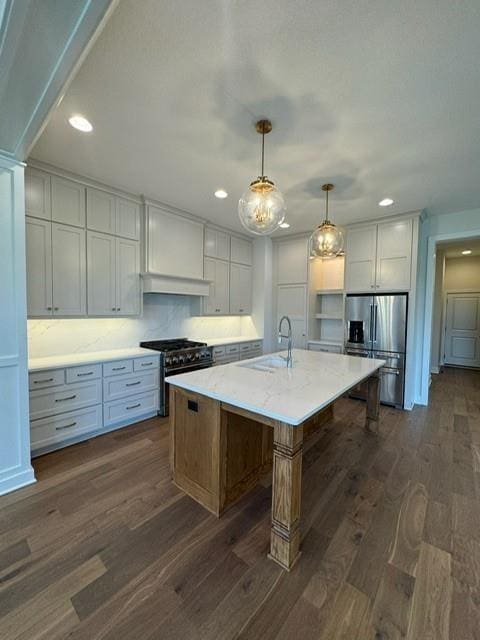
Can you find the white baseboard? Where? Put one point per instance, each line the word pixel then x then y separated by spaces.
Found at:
pixel 435 370
pixel 17 481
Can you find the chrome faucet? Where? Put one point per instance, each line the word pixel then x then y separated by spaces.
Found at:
pixel 288 359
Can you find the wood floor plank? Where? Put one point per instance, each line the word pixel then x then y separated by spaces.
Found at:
pixel 432 596
pixel 408 535
pixel 392 606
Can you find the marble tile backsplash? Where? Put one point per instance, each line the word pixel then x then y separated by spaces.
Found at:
pixel 164 316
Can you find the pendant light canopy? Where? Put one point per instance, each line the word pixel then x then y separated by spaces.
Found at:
pixel 327 239
pixel 262 208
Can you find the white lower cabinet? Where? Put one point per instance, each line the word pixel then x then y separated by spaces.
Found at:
pixel 69 404
pixel 48 431
pixel 223 354
pixel 130 408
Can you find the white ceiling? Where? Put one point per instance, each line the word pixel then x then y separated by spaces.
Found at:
pixel 381 98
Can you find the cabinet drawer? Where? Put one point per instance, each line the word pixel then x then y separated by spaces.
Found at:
pixel 255 353
pixel 257 346
pixel 47 402
pixel 119 387
pixel 327 348
pixel 68 425
pixel 218 352
pixel 233 357
pixel 117 368
pixel 231 348
pixel 144 364
pixel 129 409
pixel 245 347
pixel 43 379
pixel 87 372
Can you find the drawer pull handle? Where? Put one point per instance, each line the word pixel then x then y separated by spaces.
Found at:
pixel 63 399
pixel 118 368
pixel 134 406
pixel 146 364
pixel 66 426
pixel 43 381
pixel 88 373
pixel 133 384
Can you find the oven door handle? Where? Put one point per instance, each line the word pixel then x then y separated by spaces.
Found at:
pixel 187 369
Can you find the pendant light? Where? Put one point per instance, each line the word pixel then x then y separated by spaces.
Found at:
pixel 262 208
pixel 327 239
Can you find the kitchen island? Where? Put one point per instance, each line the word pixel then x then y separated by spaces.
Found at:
pixel 230 424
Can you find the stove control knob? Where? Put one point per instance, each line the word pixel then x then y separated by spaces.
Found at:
pixel 168 361
pixel 175 360
pixel 181 358
pixel 189 357
pixel 197 356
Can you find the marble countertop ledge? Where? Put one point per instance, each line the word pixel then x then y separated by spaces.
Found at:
pixel 289 395
pixel 76 359
pixel 217 342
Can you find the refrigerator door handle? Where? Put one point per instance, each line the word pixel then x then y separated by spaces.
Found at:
pixel 371 324
pixel 375 323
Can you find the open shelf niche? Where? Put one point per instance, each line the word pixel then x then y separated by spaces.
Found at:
pixel 326 304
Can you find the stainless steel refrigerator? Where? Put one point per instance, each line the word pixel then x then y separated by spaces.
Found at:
pixel 376 327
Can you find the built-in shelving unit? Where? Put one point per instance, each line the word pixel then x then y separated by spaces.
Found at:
pixel 327 304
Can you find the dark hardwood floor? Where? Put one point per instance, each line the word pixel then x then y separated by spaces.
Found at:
pixel 105 547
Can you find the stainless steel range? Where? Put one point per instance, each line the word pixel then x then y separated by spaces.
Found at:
pixel 178 356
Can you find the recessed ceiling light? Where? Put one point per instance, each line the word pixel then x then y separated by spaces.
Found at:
pixel 80 123
pixel 386 202
pixel 285 225
pixel 467 252
pixel 221 193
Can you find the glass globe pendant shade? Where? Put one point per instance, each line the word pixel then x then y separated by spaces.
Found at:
pixel 262 208
pixel 326 241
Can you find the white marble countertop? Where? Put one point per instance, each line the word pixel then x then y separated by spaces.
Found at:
pixel 75 359
pixel 216 342
pixel 289 395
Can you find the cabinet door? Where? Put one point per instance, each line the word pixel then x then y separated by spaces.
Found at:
pixel 69 270
pixel 292 261
pixel 100 211
pixel 39 267
pixel 292 302
pixel 394 255
pixel 241 251
pixel 68 202
pixel 218 273
pixel 217 244
pixel 360 254
pixel 37 194
pixel 240 289
pixel 127 219
pixel 101 274
pixel 128 277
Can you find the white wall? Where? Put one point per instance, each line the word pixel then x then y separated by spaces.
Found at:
pixel 15 467
pixel 164 316
pixel 435 359
pixel 262 301
pixel 462 273
pixel 436 228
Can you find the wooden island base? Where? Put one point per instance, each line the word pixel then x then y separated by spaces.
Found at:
pixel 218 452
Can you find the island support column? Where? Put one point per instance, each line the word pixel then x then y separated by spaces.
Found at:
pixel 286 494
pixel 373 403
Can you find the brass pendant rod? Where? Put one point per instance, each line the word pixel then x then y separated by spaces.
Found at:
pixel 263 150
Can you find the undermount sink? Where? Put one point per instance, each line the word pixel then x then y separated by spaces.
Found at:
pixel 269 364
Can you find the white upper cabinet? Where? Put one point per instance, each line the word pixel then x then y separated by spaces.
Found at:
pixel 292 302
pixel 217 244
pixel 394 255
pixel 217 271
pixel 108 213
pixel 360 254
pixel 38 194
pixel 69 270
pixel 39 267
pixel 100 211
pixel 127 277
pixel 174 245
pixel 241 251
pixel 378 257
pixel 292 261
pixel 68 202
pixel 128 219
pixel 101 274
pixel 240 289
